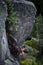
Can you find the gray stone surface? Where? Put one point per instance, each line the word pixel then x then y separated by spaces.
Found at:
pixel 9 62
pixel 4 51
pixel 25 12
pixel 5 56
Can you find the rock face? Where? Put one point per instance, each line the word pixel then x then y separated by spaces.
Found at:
pixel 25 12
pixel 22 28
pixel 3 39
pixel 4 50
pixel 5 57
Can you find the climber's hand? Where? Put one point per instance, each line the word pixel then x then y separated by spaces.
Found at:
pixel 22 51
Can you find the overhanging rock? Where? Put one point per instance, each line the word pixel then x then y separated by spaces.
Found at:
pixel 25 12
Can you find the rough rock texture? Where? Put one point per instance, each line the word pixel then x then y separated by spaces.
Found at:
pixel 5 56
pixel 25 12
pixel 4 50
pixel 22 28
pixel 3 39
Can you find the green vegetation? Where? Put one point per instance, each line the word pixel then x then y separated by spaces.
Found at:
pixel 35 44
pixel 30 59
pixel 11 14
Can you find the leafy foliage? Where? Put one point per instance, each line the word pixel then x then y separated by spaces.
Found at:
pixel 11 14
pixel 30 59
